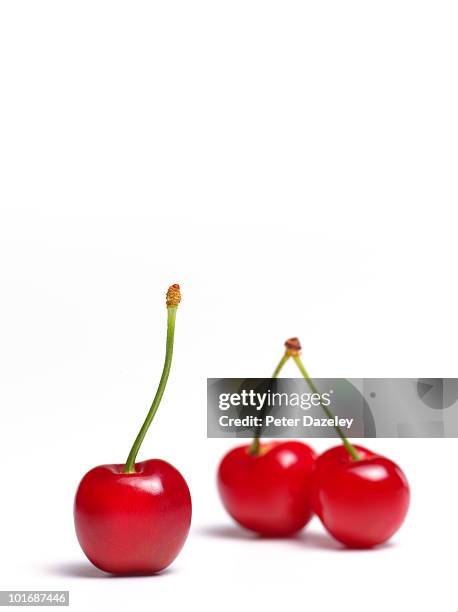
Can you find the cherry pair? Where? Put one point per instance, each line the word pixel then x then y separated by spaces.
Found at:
pixel 362 502
pixel 273 489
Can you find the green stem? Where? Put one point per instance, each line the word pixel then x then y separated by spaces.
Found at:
pixel 255 445
pixel 129 467
pixel 350 448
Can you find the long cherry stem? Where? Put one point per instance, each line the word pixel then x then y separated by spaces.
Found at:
pixel 350 448
pixel 173 299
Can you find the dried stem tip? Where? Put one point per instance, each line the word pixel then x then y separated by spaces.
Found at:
pixel 293 346
pixel 173 296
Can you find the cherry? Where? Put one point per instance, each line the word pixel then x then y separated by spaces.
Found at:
pixel 361 503
pixel 268 492
pixel 361 498
pixel 267 487
pixel 133 523
pixel 134 518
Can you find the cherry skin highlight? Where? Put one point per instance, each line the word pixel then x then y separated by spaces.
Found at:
pixel 361 503
pixel 132 523
pixel 269 492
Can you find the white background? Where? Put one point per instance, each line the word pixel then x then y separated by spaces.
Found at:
pixel 293 166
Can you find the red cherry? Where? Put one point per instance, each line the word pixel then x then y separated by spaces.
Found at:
pixel 361 503
pixel 132 523
pixel 268 493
